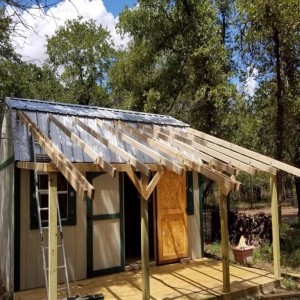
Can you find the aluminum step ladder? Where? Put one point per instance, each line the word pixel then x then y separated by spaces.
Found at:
pixel 43 228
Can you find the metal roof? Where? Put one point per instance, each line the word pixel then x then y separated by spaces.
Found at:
pixel 38 112
pixel 91 112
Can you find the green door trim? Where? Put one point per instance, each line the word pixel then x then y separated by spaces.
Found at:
pixel 91 218
pixel 201 215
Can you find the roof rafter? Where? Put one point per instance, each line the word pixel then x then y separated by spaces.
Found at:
pixel 226 152
pixel 226 184
pixel 138 145
pixel 113 147
pixel 75 178
pixel 185 138
pixel 107 167
pixel 169 137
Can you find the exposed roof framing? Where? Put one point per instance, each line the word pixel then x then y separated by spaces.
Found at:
pixel 75 178
pixel 115 148
pixel 138 145
pixel 107 167
pixel 226 183
pixel 100 139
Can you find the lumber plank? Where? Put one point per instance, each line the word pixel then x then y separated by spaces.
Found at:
pixel 186 138
pixel 187 145
pixel 225 182
pixel 113 147
pixel 74 177
pixel 275 226
pixel 224 242
pixel 84 147
pixel 151 186
pixel 265 160
pixel 138 145
pixel 52 236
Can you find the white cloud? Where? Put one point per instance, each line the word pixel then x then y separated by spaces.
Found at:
pixel 30 41
pixel 251 82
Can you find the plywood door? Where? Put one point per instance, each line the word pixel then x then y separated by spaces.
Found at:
pixel 171 218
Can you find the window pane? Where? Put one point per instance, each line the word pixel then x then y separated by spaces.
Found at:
pixel 63 205
pixel 62 184
pixel 44 203
pixel 43 181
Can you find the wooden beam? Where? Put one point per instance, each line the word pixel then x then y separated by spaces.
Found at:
pixel 74 177
pixel 83 167
pixel 52 237
pixel 113 147
pixel 187 145
pixel 145 243
pixel 138 145
pixel 259 161
pixel 227 184
pixel 275 227
pixel 224 242
pixel 84 146
pixel 184 137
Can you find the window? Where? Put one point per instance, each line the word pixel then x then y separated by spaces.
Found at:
pixel 66 200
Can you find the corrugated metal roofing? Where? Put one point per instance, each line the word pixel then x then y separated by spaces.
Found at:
pixel 38 112
pixel 90 112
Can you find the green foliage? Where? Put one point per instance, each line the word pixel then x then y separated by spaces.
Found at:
pixel 289 283
pixel 263 253
pixel 80 53
pixel 176 64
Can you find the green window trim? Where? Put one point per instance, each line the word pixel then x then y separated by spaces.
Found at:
pixel 72 211
pixel 190 209
pixel 6 163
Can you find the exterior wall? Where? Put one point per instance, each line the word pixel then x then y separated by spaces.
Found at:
pixel 31 267
pixel 6 206
pixel 194 224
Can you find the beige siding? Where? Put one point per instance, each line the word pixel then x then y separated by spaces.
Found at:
pixel 195 250
pixel 106 233
pixel 6 206
pixel 31 258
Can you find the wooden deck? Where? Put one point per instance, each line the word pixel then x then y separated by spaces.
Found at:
pixel 200 279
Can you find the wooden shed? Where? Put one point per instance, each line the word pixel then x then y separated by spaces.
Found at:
pixel 128 187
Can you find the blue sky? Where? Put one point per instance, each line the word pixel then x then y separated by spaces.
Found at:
pixel 116 6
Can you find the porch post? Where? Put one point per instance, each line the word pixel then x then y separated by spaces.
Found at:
pixel 275 226
pixel 224 242
pixel 145 244
pixel 52 236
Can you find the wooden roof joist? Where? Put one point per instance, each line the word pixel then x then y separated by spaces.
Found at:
pixel 225 183
pixel 138 145
pixel 249 153
pixel 168 137
pixel 233 156
pixel 75 178
pixel 217 156
pixel 83 146
pixel 113 147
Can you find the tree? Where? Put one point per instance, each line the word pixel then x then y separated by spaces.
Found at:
pixel 176 63
pixel 270 43
pixel 80 53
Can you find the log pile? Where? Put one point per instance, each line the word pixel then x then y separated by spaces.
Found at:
pixel 257 229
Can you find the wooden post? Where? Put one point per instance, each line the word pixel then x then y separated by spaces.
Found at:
pixel 52 236
pixel 145 244
pixel 224 242
pixel 275 226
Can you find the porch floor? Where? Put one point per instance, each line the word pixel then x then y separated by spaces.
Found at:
pixel 199 279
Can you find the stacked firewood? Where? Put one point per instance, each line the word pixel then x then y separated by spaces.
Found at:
pixel 257 229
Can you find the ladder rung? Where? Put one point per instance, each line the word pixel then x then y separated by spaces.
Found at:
pixel 58 246
pixel 61 289
pixel 47 227
pixel 44 208
pixel 58 267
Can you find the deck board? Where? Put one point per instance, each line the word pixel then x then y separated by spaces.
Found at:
pixel 200 279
